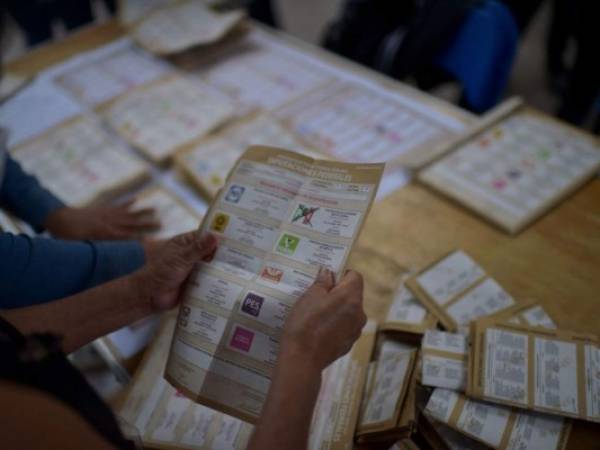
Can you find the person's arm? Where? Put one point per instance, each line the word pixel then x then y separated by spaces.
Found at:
pixel 24 196
pixel 322 326
pixel 81 318
pixel 34 270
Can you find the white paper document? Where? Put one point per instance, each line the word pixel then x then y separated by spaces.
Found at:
pixel 227 340
pixel 164 417
pixel 161 117
pixel 500 427
pixel 35 109
pixel 209 162
pixel 80 162
pixel 444 360
pixel 104 75
pixel 183 25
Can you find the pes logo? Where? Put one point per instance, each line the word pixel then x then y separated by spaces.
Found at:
pixel 252 304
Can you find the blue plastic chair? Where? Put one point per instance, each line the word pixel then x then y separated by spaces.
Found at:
pixel 481 54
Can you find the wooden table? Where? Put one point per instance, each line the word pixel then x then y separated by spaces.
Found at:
pixel 556 261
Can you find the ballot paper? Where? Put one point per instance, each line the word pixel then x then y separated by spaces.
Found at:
pixel 499 427
pixel 386 391
pixel 160 117
pixel 11 83
pixel 208 163
pixel 455 440
pixel 131 11
pixel 533 315
pixel 457 290
pixel 35 109
pixel 517 168
pixel 260 73
pixel 338 404
pixel 361 123
pixel 80 163
pixel 104 75
pixel 166 419
pixel 444 360
pixel 553 371
pixel 279 218
pixel 182 26
pixel 355 123
pixel 174 216
pixel 406 313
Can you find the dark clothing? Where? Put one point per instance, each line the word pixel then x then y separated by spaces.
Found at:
pixel 37 362
pixel 35 17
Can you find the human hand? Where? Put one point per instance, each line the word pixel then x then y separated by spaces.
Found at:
pixel 326 321
pixel 114 222
pixel 161 280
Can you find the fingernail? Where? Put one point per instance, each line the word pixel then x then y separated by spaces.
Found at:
pixel 206 239
pixel 322 274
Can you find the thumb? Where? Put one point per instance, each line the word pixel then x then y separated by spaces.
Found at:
pixel 325 279
pixel 194 246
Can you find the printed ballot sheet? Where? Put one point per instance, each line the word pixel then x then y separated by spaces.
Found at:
pixel 531 314
pixel 279 218
pixel 37 108
pixel 161 117
pixel 455 440
pixel 444 360
pixel 208 163
pixel 174 216
pixel 10 84
pixel 515 170
pixel 406 313
pixel 183 25
pixel 552 371
pixel 457 290
pixel 352 122
pixel 387 388
pixel 166 419
pixel 260 73
pixel 80 162
pixel 104 76
pixel 499 427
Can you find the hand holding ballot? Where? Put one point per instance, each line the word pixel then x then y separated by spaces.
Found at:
pixel 326 321
pixel 161 280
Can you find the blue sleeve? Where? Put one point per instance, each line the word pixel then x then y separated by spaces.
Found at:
pixel 25 197
pixel 37 270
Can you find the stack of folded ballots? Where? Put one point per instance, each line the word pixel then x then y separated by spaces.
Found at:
pixel 498 374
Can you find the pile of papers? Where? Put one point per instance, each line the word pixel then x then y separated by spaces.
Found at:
pixel 501 373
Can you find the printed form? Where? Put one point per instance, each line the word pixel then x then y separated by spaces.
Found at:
pixel 279 218
pixel 500 427
pixel 80 162
pixel 209 162
pixel 164 418
pixel 457 290
pixel 182 26
pixel 547 370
